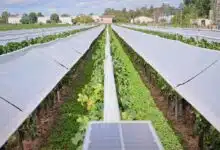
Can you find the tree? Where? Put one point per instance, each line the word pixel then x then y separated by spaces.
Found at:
pixel 5 16
pixel 54 18
pixel 32 18
pixel 82 19
pixel 203 7
pixel 39 14
pixel 25 19
pixel 188 2
pixel 48 22
pixel 65 15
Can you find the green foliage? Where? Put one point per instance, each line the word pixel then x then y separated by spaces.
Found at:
pixel 192 41
pixel 65 15
pixel 5 16
pixel 54 18
pixel 39 14
pixel 91 97
pixel 25 19
pixel 210 136
pixel 191 10
pixel 124 15
pixel 32 18
pixel 13 46
pixel 82 19
pixel 202 6
pixel 85 104
pixel 135 99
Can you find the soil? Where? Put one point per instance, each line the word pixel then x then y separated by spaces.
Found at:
pixel 182 126
pixel 48 120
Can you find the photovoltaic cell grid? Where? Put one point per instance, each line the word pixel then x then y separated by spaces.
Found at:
pixel 192 71
pixel 28 76
pixel 122 136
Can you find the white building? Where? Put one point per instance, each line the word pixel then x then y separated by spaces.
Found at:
pixel 142 19
pixel 167 19
pixel 66 20
pixel 43 19
pixel 14 19
pixel 96 19
pixel 202 22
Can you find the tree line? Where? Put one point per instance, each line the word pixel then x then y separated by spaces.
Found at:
pixel 125 15
pixel 32 18
pixel 192 9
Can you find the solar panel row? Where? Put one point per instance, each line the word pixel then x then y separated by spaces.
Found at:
pixel 28 76
pixel 210 35
pixel 20 35
pixel 192 71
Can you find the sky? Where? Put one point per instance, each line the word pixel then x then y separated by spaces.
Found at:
pixel 75 7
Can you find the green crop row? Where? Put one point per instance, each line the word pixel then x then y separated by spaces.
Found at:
pixel 192 41
pixel 13 46
pixel 136 102
pixel 86 104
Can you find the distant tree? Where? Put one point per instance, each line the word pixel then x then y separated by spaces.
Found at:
pixel 39 14
pixel 5 16
pixel 74 21
pixel 48 22
pixel 203 7
pixel 54 18
pixel 25 19
pixel 65 15
pixel 32 18
pixel 82 19
pixel 188 2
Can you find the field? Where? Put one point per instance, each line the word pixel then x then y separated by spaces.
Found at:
pixel 61 117
pixel 5 27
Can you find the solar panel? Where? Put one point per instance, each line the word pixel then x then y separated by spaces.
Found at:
pixel 192 71
pixel 68 51
pixel 209 35
pixel 28 76
pixel 168 56
pixel 124 135
pixel 20 35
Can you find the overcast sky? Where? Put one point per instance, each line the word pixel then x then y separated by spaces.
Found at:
pixel 75 7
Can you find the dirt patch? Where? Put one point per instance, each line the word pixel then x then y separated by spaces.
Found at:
pixel 182 126
pixel 48 120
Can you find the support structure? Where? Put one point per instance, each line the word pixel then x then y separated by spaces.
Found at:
pixel 111 107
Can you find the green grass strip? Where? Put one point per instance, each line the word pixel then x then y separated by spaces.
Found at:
pixel 85 104
pixel 136 101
